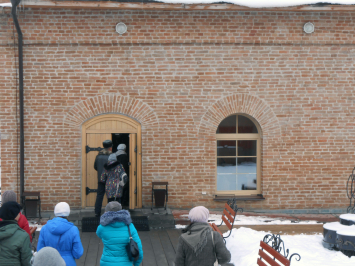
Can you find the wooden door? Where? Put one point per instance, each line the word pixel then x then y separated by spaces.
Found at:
pixel 133 171
pixel 93 141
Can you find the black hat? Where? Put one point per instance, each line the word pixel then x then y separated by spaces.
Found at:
pixel 10 210
pixel 107 144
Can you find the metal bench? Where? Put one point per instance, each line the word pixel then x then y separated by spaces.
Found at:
pixel 228 217
pixel 273 254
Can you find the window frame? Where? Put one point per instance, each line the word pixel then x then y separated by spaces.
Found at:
pixel 241 136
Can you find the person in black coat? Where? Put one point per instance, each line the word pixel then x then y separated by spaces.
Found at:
pixel 100 160
pixel 122 158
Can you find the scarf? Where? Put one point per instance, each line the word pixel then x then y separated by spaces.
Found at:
pixel 196 237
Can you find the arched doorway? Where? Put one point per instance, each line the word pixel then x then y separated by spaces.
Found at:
pixel 118 128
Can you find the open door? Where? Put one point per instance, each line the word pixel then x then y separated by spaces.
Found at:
pixel 133 171
pixel 93 144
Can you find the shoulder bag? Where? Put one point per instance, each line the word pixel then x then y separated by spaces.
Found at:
pixel 132 248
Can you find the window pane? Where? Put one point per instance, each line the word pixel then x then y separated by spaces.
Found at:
pixel 226 148
pixel 226 182
pixel 246 165
pixel 246 147
pixel 246 182
pixel 228 125
pixel 245 125
pixel 226 166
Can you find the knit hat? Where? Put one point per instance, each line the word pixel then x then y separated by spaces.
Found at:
pixel 113 206
pixel 10 210
pixel 112 158
pixel 62 209
pixel 121 147
pixel 48 256
pixel 107 144
pixel 8 195
pixel 199 214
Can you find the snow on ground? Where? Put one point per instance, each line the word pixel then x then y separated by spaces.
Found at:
pixel 244 246
pixel 34 223
pixel 250 220
pixel 262 3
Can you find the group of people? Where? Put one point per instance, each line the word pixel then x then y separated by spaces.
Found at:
pixel 59 242
pixel 111 174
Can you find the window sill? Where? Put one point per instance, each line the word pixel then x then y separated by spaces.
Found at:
pixel 257 197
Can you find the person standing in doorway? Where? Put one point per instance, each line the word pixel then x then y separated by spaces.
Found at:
pixel 122 158
pixel 115 178
pixel 100 160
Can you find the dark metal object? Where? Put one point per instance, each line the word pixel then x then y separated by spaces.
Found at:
pixel 329 238
pixel 89 149
pixel 89 190
pixel 31 203
pixel 15 3
pixel 346 222
pixel 159 191
pixel 345 242
pixel 233 204
pixel 350 191
pixel 278 244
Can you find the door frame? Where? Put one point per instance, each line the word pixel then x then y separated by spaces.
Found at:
pixel 118 118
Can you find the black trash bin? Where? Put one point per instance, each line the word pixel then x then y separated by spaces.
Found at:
pixel 159 197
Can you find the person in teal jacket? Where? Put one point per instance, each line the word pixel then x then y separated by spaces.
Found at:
pixel 62 235
pixel 113 231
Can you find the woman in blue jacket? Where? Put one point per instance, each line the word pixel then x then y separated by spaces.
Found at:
pixel 113 230
pixel 62 235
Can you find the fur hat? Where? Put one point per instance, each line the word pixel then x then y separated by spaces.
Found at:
pixel 62 209
pixel 107 144
pixel 112 158
pixel 199 214
pixel 48 256
pixel 10 210
pixel 113 206
pixel 8 195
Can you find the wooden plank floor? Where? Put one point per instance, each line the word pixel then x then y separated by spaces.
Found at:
pixel 159 247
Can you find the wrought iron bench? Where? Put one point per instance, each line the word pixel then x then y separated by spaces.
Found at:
pixel 228 217
pixel 273 254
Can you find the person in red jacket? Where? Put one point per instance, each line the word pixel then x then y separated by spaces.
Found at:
pixel 9 195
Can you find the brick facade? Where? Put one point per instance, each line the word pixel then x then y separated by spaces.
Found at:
pixel 180 74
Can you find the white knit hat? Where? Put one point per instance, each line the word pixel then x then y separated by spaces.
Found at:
pixel 199 214
pixel 62 209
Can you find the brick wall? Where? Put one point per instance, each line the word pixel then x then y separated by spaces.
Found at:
pixel 188 70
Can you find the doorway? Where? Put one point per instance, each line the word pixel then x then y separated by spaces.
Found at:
pixel 120 129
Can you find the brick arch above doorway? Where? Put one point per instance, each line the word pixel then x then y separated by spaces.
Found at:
pixel 244 104
pixel 110 103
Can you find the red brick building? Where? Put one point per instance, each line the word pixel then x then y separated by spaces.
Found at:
pixel 228 101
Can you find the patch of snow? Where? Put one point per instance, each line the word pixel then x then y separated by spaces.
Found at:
pixel 349 231
pixel 244 246
pixel 348 217
pixel 180 226
pixel 5 4
pixel 33 223
pixel 335 226
pixel 262 3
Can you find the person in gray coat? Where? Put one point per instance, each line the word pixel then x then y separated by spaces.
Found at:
pixel 195 245
pixel 100 160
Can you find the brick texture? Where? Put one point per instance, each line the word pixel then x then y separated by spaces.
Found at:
pixel 180 74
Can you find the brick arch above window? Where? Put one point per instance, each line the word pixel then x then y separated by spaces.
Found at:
pixel 111 103
pixel 242 104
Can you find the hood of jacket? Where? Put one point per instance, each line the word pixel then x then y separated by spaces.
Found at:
pixel 196 236
pixel 110 166
pixel 59 226
pixel 122 218
pixel 8 228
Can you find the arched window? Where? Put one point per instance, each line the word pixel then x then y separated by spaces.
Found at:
pixel 238 156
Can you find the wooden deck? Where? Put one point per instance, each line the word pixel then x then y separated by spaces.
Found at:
pixel 159 247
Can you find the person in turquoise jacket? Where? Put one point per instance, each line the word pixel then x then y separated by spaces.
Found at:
pixel 62 235
pixel 113 231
